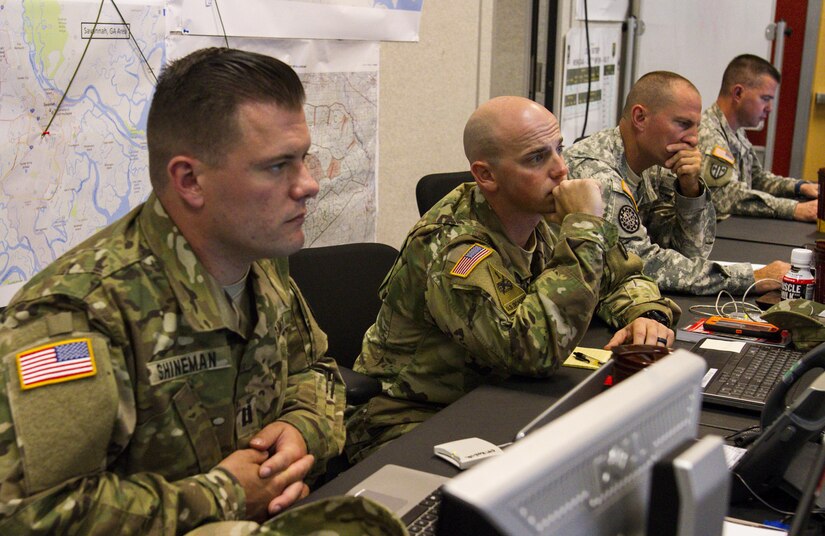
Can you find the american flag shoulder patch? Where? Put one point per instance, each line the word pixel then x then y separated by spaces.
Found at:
pixel 722 154
pixel 474 255
pixel 57 362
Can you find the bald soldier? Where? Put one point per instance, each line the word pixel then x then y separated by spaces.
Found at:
pixel 731 168
pixel 649 171
pixel 484 288
pixel 167 373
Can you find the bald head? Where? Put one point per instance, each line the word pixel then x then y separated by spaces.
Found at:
pixel 654 91
pixel 494 123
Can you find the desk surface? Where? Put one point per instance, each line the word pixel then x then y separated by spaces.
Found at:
pixel 768 231
pixel 516 403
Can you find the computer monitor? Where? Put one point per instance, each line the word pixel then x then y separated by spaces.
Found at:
pixel 589 471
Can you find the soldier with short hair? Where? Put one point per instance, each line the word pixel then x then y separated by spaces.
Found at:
pixel 484 288
pixel 649 171
pixel 732 170
pixel 166 373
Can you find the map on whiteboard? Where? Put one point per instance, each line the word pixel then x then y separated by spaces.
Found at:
pixel 92 167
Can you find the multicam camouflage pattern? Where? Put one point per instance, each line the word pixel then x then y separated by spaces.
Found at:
pixel 336 516
pixel 438 336
pixel 133 448
pixel 672 234
pixel 805 319
pixel 749 189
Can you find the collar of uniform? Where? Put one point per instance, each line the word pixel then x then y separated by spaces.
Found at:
pixel 731 136
pixel 519 258
pixel 202 300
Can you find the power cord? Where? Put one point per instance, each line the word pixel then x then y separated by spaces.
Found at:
pixel 742 310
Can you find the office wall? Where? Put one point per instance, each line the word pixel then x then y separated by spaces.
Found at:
pixel 468 51
pixel 815 147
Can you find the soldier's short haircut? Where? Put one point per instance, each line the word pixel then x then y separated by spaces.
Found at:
pixel 480 139
pixel 195 107
pixel 654 91
pixel 746 70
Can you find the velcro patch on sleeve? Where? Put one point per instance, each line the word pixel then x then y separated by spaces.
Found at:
pixel 56 362
pixel 722 154
pixel 510 295
pixel 471 258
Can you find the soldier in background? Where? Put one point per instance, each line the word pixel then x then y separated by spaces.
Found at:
pixel 484 288
pixel 649 171
pixel 167 373
pixel 731 168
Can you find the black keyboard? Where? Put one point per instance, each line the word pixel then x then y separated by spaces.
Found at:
pixel 421 519
pixel 753 376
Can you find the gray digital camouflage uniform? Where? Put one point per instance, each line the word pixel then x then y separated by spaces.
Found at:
pixel 672 234
pixel 734 173
pixel 177 385
pixel 516 312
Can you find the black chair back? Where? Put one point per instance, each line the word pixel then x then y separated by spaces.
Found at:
pixel 431 188
pixel 340 283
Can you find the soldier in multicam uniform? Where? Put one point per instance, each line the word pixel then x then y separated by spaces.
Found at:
pixel 731 168
pixel 484 288
pixel 167 373
pixel 648 168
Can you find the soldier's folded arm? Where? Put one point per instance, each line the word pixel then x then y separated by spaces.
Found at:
pixel 59 440
pixel 514 330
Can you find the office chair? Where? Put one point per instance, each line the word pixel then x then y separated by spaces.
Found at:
pixel 340 283
pixel 431 188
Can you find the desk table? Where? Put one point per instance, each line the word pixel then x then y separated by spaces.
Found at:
pixel 768 231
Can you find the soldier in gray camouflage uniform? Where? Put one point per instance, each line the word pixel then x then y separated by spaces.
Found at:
pixel 731 168
pixel 648 168
pixel 167 373
pixel 484 288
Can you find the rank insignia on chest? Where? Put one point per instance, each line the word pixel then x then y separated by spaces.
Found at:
pixel 628 219
pixel 471 258
pixel 57 362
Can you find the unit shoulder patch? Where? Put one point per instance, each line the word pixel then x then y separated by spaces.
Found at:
pixel 629 219
pixel 717 167
pixel 471 258
pixel 56 362
pixel 509 293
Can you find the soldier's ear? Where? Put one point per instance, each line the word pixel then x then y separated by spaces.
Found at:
pixel 484 176
pixel 185 178
pixel 638 115
pixel 736 92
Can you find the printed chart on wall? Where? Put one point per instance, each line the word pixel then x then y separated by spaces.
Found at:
pixel 384 20
pixel 605 58
pixel 75 156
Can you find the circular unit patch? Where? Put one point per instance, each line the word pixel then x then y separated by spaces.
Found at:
pixel 628 219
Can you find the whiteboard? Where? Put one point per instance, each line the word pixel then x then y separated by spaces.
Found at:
pixel 698 38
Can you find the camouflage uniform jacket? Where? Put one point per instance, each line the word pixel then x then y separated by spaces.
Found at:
pixel 517 312
pixel 176 387
pixel 739 183
pixel 672 234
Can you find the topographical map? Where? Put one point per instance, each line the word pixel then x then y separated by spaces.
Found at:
pixel 74 161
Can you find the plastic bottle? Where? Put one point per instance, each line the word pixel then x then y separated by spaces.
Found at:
pixel 799 282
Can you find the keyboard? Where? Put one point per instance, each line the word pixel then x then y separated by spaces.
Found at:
pixel 754 374
pixel 422 518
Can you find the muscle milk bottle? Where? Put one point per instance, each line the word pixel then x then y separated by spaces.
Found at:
pixel 799 282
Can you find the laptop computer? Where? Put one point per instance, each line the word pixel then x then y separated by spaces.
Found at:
pixel 413 495
pixel 742 374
